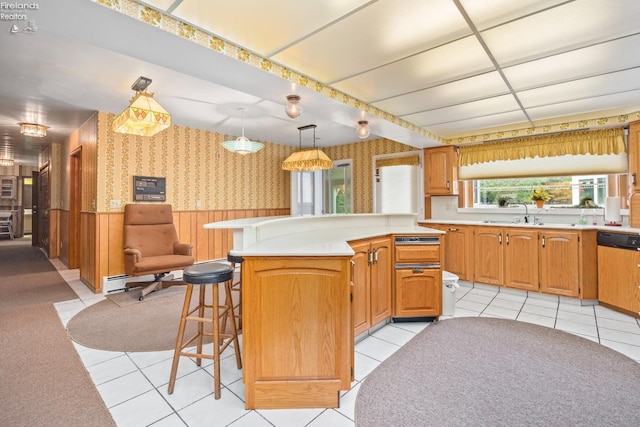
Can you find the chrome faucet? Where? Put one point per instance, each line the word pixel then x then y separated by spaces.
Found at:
pixel 526 210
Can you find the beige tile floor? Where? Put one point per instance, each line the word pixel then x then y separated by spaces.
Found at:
pixel 134 385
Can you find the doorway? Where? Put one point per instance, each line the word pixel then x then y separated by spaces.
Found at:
pixel 75 206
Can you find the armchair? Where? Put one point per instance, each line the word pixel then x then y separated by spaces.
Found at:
pixel 151 247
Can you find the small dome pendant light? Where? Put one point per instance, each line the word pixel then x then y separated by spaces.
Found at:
pixel 363 129
pixel 292 108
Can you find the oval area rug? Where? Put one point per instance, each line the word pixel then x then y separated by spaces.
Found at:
pixel 149 325
pixel 495 372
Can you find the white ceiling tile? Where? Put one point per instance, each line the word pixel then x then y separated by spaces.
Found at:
pixel 453 61
pixel 495 105
pixel 263 26
pixel 627 99
pixel 375 36
pixel 573 25
pixel 592 87
pixel 448 130
pixel 486 14
pixel 160 4
pixel 616 55
pixel 464 90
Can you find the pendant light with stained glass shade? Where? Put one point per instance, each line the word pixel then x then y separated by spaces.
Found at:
pixel 310 159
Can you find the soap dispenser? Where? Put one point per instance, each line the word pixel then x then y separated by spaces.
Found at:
pixel 583 218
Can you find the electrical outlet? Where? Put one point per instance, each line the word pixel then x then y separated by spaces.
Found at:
pixel 114 204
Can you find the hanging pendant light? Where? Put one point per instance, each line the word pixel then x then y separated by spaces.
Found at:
pixel 307 160
pixel 144 116
pixel 242 144
pixel 292 108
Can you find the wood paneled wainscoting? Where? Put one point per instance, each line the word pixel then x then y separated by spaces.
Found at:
pixel 102 239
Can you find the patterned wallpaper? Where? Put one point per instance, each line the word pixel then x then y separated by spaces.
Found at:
pixel 201 175
pixel 362 167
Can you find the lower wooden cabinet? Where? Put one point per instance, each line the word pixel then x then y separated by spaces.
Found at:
pixel 620 286
pixel 297 345
pixel 372 282
pixel 418 293
pixel 521 259
pixel 458 249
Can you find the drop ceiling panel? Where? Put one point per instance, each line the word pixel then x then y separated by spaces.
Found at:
pixel 469 89
pixel 486 14
pixel 477 124
pixel 616 55
pixel 592 87
pixel 263 26
pixel 383 32
pixel 601 103
pixel 453 61
pixel 468 110
pixel 570 26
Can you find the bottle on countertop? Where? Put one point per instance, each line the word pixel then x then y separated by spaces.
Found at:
pixel 583 218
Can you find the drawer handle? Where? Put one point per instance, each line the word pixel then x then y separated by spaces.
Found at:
pixel 417 271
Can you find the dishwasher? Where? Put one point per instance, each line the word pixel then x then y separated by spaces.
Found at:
pixel 418 278
pixel 619 272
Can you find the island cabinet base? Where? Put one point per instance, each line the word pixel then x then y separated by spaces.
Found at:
pixel 297 331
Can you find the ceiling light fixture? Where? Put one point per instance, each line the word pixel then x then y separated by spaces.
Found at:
pixel 6 161
pixel 242 145
pixel 144 116
pixel 311 159
pixel 292 109
pixel 33 129
pixel 363 129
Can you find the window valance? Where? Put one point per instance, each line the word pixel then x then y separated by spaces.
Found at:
pixel 599 142
pixel 411 160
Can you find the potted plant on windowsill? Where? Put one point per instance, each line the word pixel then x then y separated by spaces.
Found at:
pixel 540 195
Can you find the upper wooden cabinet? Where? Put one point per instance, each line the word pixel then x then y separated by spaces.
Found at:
pixel 441 171
pixel 634 157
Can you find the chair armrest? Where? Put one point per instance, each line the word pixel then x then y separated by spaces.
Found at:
pixel 182 249
pixel 131 258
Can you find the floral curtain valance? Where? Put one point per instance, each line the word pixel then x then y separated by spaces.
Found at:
pixel 397 161
pixel 600 142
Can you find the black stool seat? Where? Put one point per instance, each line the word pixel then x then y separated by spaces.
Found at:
pixel 207 273
pixel 235 258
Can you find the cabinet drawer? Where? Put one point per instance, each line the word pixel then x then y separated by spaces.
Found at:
pixel 417 254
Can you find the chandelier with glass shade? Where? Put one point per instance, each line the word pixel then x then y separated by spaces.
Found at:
pixel 310 159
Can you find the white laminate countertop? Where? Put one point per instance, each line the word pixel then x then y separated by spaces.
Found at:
pixel 612 229
pixel 326 235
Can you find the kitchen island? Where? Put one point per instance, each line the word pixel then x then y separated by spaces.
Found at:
pixel 297 303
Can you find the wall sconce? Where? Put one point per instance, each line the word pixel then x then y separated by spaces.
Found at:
pixel 33 129
pixel 144 116
pixel 292 109
pixel 363 129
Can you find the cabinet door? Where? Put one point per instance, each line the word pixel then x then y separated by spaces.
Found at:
pixel 380 280
pixel 559 263
pixel 441 171
pixel 360 287
pixel 458 243
pixel 489 260
pixel 521 259
pixel 619 282
pixel 418 292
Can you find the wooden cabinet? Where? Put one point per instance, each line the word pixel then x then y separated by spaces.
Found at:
pixel 297 345
pixel 521 258
pixel 458 249
pixel 372 282
pixel 418 288
pixel 441 171
pixel 489 260
pixel 633 151
pixel 619 283
pixel 559 263
pixel 7 187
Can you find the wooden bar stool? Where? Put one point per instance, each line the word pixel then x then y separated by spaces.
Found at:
pixel 203 275
pixel 236 285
